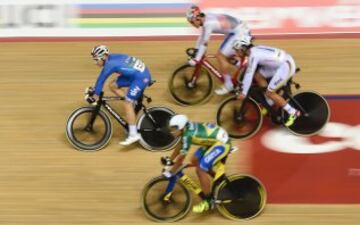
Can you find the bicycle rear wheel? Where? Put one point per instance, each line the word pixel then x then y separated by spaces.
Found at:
pixel 156 136
pixel 185 95
pixel 157 209
pixel 241 119
pixel 88 138
pixel 240 197
pixel 317 113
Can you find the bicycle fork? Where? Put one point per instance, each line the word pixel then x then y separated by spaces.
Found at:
pixel 239 112
pixel 192 83
pixel 90 124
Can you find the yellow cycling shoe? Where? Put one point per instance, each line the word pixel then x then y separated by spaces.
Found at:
pixel 291 120
pixel 203 206
pixel 264 111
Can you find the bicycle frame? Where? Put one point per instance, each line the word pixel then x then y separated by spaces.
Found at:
pixel 210 68
pixel 194 187
pixel 286 94
pixel 103 102
pixel 188 183
pixel 293 100
pixel 112 112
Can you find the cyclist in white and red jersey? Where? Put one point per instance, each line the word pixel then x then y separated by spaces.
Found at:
pixel 266 62
pixel 220 24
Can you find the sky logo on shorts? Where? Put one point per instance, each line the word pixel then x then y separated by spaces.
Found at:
pixel 134 91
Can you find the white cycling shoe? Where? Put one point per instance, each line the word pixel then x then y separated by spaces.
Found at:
pixel 131 139
pixel 223 90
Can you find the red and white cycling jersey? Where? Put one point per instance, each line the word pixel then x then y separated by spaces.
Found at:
pixel 220 24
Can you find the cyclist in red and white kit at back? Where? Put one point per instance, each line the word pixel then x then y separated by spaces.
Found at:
pixel 219 24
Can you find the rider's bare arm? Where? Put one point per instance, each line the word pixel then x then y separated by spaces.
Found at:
pixel 178 162
pixel 180 152
pixel 202 42
pixel 175 153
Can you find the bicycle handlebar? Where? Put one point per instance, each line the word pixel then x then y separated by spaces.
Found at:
pixel 109 98
pixel 191 52
pixel 184 166
pixel 89 93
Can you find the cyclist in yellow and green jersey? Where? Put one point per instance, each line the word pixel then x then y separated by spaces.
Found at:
pixel 215 146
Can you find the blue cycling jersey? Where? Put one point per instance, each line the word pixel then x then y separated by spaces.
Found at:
pixel 129 67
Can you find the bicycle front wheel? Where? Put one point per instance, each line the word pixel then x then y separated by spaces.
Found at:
pixel 85 136
pixel 186 95
pixel 153 127
pixel 240 197
pixel 161 209
pixel 241 119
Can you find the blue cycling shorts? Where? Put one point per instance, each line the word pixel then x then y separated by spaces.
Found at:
pixel 208 158
pixel 136 85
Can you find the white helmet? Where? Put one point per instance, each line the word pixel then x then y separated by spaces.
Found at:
pixel 243 41
pixel 178 121
pixel 99 51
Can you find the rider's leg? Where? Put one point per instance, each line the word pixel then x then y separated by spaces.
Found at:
pixel 224 67
pixel 261 82
pixel 202 175
pixel 260 79
pixel 224 53
pixel 213 155
pixel 282 75
pixel 116 85
pixel 135 90
pixel 131 117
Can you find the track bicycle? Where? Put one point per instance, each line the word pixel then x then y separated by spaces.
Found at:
pixel 242 119
pixel 90 129
pixel 236 197
pixel 190 85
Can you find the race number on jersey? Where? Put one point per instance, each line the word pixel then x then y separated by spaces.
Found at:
pixel 137 64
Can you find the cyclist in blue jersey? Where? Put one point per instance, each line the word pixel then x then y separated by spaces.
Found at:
pixel 132 73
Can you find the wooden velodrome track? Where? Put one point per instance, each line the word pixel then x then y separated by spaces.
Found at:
pixel 43 180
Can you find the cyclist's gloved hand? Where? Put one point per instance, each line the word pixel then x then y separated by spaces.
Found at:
pixel 191 52
pixel 192 62
pixel 166 173
pixel 91 100
pixel 238 88
pixel 90 91
pixel 166 161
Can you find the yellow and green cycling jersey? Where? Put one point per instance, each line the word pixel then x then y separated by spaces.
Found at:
pixel 204 134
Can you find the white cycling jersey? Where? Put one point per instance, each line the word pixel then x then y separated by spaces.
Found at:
pixel 272 63
pixel 220 24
